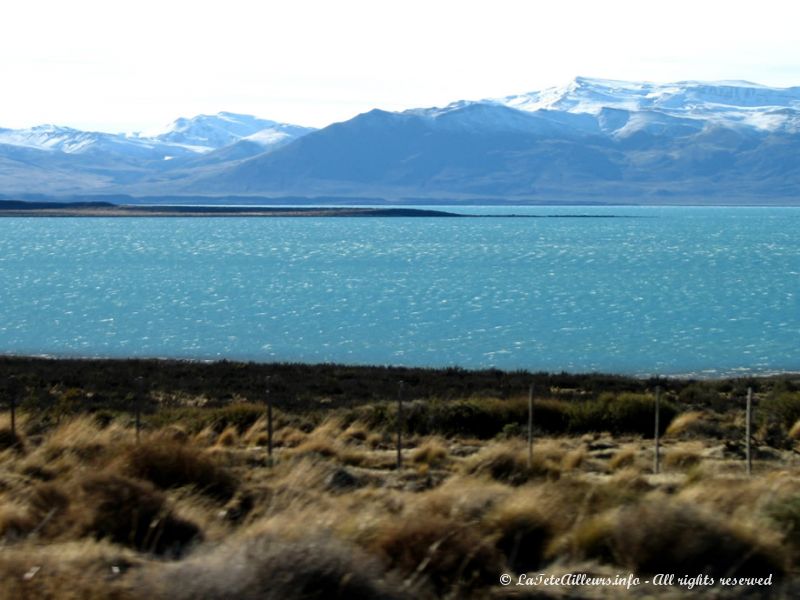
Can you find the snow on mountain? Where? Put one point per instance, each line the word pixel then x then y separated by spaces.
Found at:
pixel 733 104
pixel 182 138
pixel 51 137
pixel 204 133
pixel 621 109
pixel 277 135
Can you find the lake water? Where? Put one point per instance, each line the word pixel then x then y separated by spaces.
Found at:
pixel 706 291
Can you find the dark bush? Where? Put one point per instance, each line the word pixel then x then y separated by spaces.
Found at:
pixel 523 539
pixel 626 413
pixel 132 513
pixel 782 408
pixel 451 557
pixel 170 464
pixel 105 506
pixel 659 536
pixel 10 440
pixel 703 395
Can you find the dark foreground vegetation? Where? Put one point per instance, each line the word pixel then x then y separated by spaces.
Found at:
pixel 197 509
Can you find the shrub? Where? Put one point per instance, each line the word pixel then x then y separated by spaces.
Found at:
pixel 694 424
pixel 273 568
pixel 783 408
pixel 661 536
pixel 683 458
pixel 482 418
pixel 432 453
pixel 10 440
pixel 625 413
pixel 65 572
pixel 702 394
pixel 785 513
pixel 240 416
pixel 229 437
pixel 131 513
pixel 451 557
pixel 105 506
pixel 521 532
pixel 169 464
pixel 625 457
pixel 508 462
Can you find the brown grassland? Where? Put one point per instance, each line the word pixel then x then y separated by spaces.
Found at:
pixel 196 509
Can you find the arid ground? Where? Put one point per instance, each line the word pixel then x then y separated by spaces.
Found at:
pixel 197 509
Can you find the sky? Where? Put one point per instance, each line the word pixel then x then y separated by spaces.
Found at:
pixel 136 66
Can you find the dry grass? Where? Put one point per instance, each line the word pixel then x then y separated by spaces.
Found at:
pixel 521 529
pixel 228 438
pixel 170 464
pixel 665 536
pixel 508 462
pixel 356 432
pixel 684 457
pixel 794 431
pixel 87 512
pixel 11 440
pixel 623 458
pixel 437 552
pixel 82 570
pixel 432 453
pixel 272 568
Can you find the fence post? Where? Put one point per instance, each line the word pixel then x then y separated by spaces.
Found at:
pixel 10 391
pixel 748 427
pixel 269 421
pixel 138 409
pixel 657 458
pixel 400 425
pixel 530 426
pixel 13 400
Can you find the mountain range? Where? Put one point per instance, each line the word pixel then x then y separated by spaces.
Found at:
pixel 592 140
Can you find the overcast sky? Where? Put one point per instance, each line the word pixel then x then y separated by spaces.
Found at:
pixel 127 66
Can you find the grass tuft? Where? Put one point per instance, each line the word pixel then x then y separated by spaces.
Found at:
pixel 508 462
pixel 170 465
pixel 452 557
pixel 663 536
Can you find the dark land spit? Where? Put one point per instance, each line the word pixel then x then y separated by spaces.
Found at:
pixel 19 208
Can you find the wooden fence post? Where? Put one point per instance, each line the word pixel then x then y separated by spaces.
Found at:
pixel 657 458
pixel 138 407
pixel 269 421
pixel 748 428
pixel 530 426
pixel 13 400
pixel 400 425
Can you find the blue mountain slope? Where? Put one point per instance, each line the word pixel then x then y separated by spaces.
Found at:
pixel 591 139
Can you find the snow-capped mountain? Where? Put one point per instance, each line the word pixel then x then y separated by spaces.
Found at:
pixel 589 140
pixel 66 140
pixel 182 137
pixel 205 133
pixel 732 104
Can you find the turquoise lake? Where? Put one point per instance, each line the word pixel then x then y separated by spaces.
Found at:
pixel 702 291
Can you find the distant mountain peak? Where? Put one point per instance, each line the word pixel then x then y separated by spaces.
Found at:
pixel 211 132
pixel 734 104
